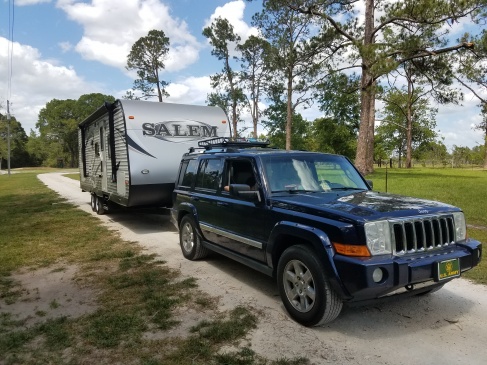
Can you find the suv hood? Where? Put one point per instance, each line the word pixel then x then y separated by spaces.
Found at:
pixel 363 205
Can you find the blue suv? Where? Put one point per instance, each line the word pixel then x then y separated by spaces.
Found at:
pixel 313 222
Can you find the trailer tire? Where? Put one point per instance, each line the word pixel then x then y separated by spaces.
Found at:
pixel 190 241
pixel 99 206
pixel 93 202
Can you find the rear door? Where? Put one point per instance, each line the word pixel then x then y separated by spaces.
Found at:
pixel 204 198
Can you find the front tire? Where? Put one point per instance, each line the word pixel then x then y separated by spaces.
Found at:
pixel 305 289
pixel 189 240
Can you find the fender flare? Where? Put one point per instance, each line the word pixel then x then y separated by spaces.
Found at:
pixel 188 208
pixel 319 241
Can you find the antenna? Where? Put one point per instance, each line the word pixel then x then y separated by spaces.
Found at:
pixel 8 136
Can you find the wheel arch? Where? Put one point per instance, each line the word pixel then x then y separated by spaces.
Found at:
pixel 286 234
pixel 185 209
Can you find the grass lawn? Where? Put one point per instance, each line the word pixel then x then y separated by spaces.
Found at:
pixel 135 294
pixel 464 188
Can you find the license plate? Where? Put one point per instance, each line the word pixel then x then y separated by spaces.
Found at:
pixel 448 269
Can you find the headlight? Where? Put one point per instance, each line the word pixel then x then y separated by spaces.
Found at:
pixel 460 226
pixel 378 235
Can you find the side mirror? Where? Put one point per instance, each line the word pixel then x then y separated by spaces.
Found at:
pixel 371 183
pixel 243 191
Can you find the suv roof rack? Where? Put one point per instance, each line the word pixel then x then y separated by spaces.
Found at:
pixel 233 142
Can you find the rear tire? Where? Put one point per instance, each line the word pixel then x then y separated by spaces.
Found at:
pixel 99 206
pixel 305 289
pixel 189 240
pixel 93 202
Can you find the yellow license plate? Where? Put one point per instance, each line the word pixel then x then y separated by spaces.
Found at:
pixel 448 269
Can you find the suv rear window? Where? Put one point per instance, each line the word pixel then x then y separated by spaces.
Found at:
pixel 209 175
pixel 188 172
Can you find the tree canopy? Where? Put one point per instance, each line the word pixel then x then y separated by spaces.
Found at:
pixel 391 34
pixel 147 57
pixel 229 94
pixel 58 125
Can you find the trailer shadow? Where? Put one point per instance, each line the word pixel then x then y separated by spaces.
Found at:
pixel 143 221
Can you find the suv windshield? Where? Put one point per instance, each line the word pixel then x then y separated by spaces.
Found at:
pixel 311 173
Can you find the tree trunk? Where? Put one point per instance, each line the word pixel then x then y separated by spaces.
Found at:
pixel 364 159
pixel 159 92
pixel 409 129
pixel 289 117
pixel 234 117
pixel 409 120
pixel 485 147
pixel 255 117
pixel 371 132
pixel 363 134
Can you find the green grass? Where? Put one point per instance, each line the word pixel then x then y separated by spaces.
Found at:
pixel 463 188
pixel 135 293
pixel 73 176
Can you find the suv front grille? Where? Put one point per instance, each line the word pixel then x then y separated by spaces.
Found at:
pixel 417 234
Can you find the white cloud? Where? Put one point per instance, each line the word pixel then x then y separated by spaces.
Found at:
pixel 35 81
pixel 234 13
pixel 111 27
pixel 192 90
pixel 456 123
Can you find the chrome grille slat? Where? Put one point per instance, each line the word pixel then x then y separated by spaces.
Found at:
pixel 422 233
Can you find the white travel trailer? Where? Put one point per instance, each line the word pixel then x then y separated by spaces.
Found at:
pixel 130 150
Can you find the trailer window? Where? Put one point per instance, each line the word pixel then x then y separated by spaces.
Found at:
pixel 188 172
pixel 210 174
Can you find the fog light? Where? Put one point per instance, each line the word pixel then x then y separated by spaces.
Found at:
pixel 377 275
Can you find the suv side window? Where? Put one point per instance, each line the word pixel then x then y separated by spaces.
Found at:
pixel 239 171
pixel 209 175
pixel 188 172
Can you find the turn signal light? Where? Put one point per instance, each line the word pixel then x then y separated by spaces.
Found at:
pixel 351 250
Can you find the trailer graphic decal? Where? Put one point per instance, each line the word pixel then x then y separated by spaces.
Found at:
pixel 137 148
pixel 179 131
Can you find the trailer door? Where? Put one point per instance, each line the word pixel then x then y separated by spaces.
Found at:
pixel 103 159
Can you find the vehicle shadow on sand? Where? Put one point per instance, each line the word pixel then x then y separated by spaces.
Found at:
pixel 376 321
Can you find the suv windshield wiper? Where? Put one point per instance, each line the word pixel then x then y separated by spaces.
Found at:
pixel 294 191
pixel 348 188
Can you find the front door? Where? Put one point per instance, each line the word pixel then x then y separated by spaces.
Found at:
pixel 243 223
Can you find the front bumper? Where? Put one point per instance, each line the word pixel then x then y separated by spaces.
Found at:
pixel 409 271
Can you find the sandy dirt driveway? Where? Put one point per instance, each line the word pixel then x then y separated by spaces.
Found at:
pixel 447 327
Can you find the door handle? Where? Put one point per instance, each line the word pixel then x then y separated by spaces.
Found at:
pixel 222 204
pixel 194 198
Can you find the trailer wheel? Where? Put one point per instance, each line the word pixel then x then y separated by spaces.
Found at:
pixel 99 206
pixel 93 202
pixel 189 240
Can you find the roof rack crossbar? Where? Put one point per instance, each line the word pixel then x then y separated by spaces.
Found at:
pixel 233 142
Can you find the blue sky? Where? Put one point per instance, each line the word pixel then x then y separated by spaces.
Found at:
pixel 66 48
